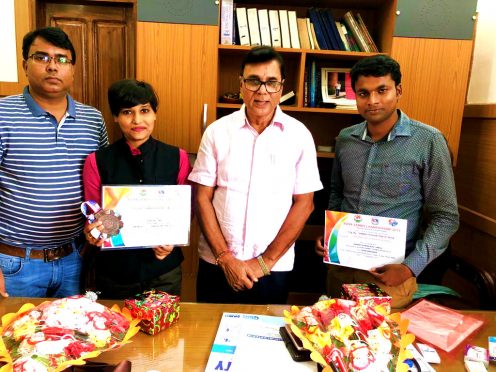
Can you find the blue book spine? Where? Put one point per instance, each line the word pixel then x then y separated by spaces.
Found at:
pixel 327 29
pixel 334 29
pixel 313 85
pixel 319 31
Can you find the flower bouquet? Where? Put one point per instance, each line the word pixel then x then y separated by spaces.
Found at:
pixel 345 335
pixel 57 334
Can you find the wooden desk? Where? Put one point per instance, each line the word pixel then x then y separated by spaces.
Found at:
pixel 186 345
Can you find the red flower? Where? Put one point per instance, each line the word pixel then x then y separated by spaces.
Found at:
pixel 55 333
pixel 75 349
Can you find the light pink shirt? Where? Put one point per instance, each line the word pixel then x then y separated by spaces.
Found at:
pixel 256 176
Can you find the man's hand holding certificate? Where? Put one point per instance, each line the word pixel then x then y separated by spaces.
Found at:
pixel 363 242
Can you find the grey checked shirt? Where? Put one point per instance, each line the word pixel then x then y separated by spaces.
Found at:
pixel 399 176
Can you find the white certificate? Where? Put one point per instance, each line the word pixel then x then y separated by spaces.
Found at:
pixel 151 215
pixel 363 242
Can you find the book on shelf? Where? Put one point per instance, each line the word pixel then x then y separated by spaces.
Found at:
pixel 235 27
pixel 288 98
pixel 342 103
pixel 309 32
pixel 314 37
pixel 293 30
pixel 305 88
pixel 263 20
pixel 226 23
pixel 319 28
pixel 303 33
pixel 366 33
pixel 329 25
pixel 352 24
pixel 253 26
pixel 349 37
pixel 312 84
pixel 342 36
pixel 334 29
pixel 285 36
pixel 243 31
pixel 275 30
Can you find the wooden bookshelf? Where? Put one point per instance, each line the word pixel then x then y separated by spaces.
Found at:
pixel 324 123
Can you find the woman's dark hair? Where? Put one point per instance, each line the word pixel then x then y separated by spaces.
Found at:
pixel 54 35
pixel 129 93
pixel 263 54
pixel 377 66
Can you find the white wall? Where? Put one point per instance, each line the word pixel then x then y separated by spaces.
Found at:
pixel 482 84
pixel 8 60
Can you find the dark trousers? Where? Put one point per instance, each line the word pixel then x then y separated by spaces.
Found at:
pixel 212 286
pixel 110 288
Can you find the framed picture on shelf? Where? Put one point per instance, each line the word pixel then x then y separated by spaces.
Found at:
pixel 336 87
pixel 333 82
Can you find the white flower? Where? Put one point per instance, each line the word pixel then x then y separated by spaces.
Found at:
pixel 26 364
pixel 51 347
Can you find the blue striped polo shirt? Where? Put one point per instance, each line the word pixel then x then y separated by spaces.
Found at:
pixel 41 164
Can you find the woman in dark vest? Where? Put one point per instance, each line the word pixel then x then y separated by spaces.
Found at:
pixel 136 158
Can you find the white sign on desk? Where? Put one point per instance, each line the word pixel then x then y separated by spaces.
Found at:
pixel 248 342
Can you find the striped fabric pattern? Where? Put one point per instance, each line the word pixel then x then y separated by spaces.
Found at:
pixel 40 170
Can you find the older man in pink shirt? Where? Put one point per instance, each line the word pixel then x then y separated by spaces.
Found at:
pixel 255 176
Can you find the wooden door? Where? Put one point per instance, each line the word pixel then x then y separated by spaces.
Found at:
pixel 103 34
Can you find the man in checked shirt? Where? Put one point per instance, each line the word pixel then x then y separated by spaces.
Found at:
pixel 392 166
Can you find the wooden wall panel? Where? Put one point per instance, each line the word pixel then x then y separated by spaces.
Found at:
pixel 180 61
pixel 22 27
pixel 435 78
pixel 475 172
pixel 475 176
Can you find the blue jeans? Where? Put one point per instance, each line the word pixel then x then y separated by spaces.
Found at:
pixel 26 277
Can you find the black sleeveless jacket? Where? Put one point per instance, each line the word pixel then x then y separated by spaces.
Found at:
pixel 158 164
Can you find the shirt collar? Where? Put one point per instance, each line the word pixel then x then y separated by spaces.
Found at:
pixel 36 109
pixel 142 149
pixel 276 120
pixel 401 128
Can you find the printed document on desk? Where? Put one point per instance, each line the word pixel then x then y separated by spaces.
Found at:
pixel 248 342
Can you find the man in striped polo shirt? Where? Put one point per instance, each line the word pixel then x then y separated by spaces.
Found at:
pixel 45 137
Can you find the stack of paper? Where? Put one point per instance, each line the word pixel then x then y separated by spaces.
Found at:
pixel 247 342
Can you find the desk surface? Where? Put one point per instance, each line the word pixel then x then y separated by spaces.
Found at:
pixel 186 345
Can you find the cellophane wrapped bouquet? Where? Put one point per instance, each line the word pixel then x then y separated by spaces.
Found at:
pixel 57 334
pixel 345 335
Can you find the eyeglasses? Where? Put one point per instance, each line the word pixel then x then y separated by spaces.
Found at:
pixel 272 86
pixel 46 59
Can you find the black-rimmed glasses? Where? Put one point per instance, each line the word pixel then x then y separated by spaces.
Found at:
pixel 271 86
pixel 46 59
